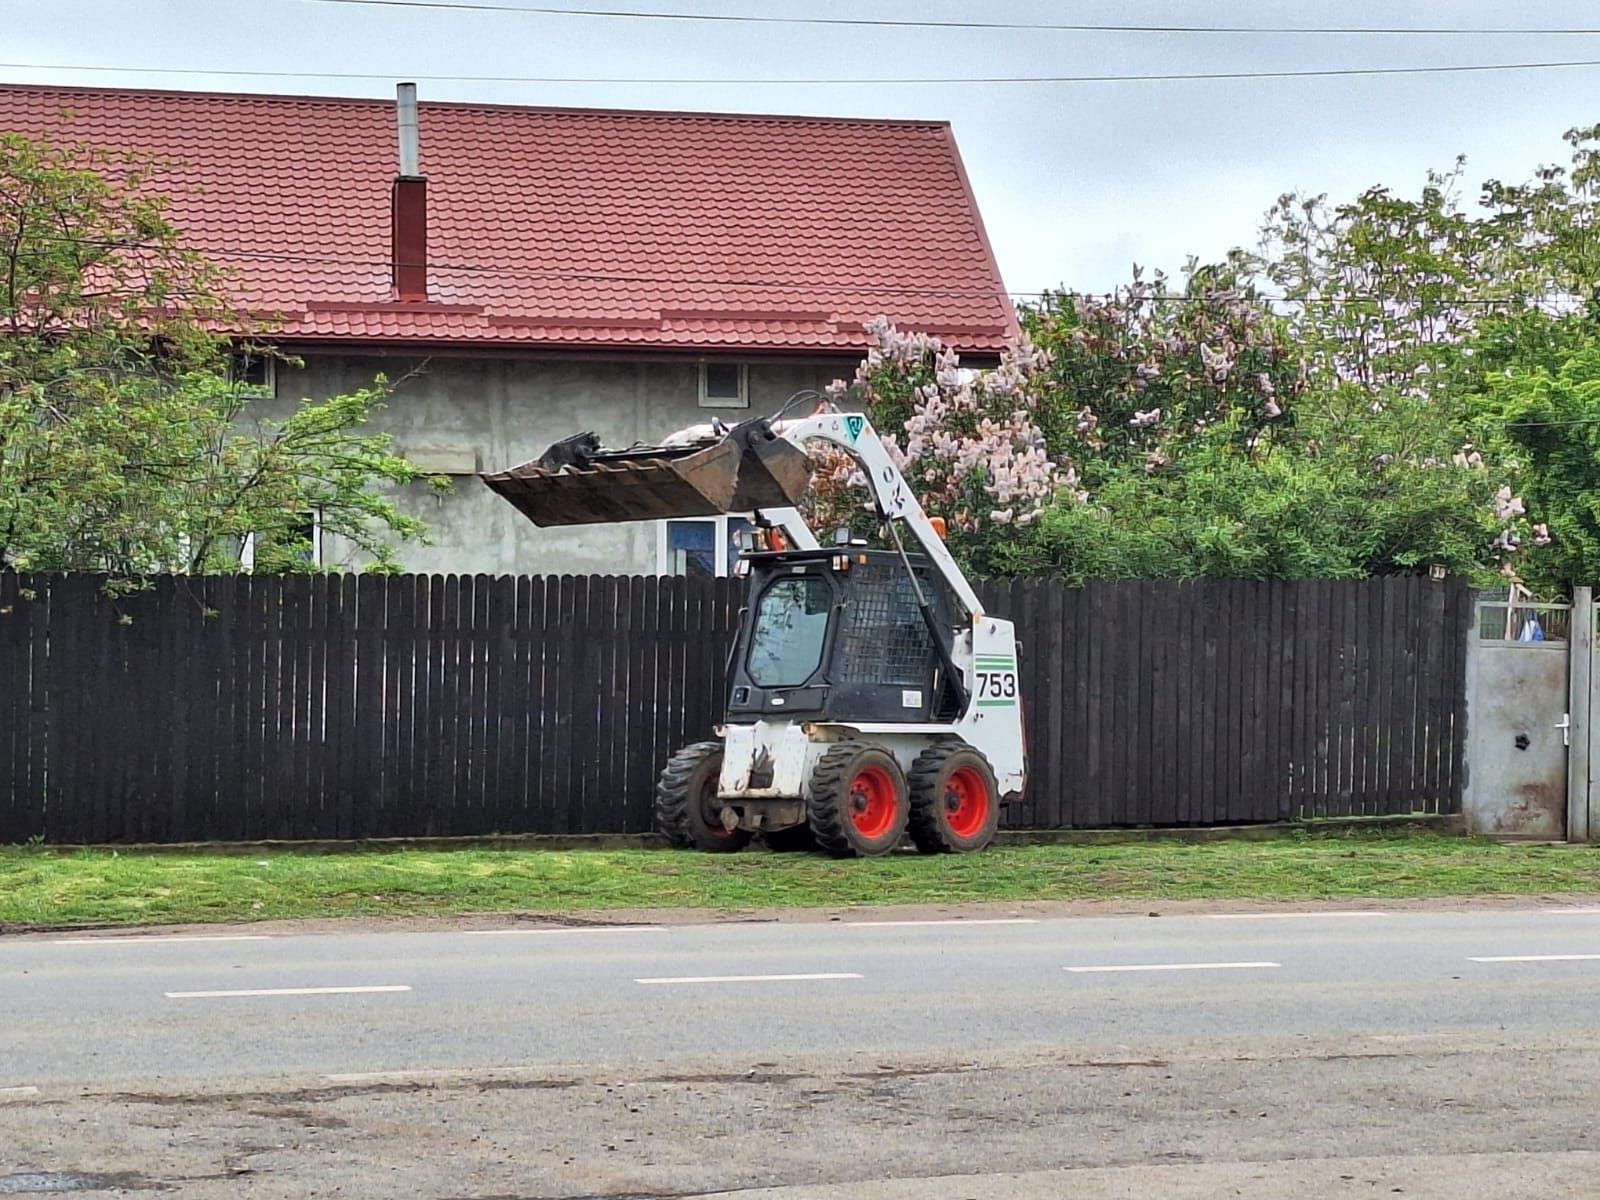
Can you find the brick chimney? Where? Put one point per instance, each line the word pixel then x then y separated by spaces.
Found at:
pixel 408 201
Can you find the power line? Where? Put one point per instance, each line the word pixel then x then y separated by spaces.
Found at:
pixel 1164 77
pixel 907 23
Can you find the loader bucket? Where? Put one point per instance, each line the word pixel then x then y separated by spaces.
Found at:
pixel 579 482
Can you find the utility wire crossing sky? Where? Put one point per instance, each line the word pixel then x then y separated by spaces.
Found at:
pixel 1097 134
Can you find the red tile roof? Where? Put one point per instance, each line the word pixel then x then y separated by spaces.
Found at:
pixel 564 227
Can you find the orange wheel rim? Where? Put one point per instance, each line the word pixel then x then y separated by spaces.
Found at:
pixel 966 802
pixel 873 802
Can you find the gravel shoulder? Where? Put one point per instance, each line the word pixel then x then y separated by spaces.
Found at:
pixel 1472 1117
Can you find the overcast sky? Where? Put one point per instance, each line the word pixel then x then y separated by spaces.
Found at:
pixel 1076 180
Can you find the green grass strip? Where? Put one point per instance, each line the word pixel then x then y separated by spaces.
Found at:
pixel 42 887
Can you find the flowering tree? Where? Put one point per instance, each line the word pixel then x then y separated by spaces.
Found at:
pixel 1137 375
pixel 1540 416
pixel 968 442
pixel 1213 443
pixel 1411 312
pixel 1380 385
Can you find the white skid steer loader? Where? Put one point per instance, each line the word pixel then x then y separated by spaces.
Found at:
pixel 869 694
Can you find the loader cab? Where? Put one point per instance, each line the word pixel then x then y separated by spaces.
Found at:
pixel 837 635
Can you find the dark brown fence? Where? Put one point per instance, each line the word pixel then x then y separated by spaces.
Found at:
pixel 1216 702
pixel 244 707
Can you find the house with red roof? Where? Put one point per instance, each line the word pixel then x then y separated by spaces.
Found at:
pixel 534 272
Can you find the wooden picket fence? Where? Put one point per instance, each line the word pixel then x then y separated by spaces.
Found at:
pixel 335 707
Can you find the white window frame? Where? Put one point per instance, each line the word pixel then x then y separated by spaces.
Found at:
pixel 743 400
pixel 247 548
pixel 269 384
pixel 720 544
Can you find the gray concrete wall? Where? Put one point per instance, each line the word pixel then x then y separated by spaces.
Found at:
pixel 459 415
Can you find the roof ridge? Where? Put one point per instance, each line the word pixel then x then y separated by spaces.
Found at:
pixel 387 102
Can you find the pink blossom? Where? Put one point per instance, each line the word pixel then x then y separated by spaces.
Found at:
pixel 1507 506
pixel 972 450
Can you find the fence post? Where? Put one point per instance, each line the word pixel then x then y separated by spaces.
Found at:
pixel 1580 641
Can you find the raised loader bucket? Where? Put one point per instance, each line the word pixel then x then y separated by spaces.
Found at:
pixel 579 482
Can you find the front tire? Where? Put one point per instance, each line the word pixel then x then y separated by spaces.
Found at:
pixel 687 810
pixel 858 803
pixel 955 803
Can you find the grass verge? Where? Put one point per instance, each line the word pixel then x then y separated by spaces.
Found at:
pixel 44 887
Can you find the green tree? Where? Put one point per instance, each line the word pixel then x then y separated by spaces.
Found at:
pixel 1299 508
pixel 123 443
pixel 1542 411
pixel 1212 443
pixel 1553 221
pixel 1352 428
pixel 1380 385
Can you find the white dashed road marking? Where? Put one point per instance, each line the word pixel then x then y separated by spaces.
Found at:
pixel 1289 916
pixel 749 978
pixel 568 929
pixel 912 925
pixel 305 991
pixel 17 1092
pixel 1510 958
pixel 1212 966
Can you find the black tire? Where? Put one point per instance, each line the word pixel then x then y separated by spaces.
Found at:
pixel 955 803
pixel 858 803
pixel 792 840
pixel 686 802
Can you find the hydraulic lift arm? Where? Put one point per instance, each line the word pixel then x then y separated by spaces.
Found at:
pixel 895 501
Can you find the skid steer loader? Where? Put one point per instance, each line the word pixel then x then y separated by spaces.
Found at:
pixel 869 694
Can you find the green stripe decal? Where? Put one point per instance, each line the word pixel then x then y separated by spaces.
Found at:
pixel 996 703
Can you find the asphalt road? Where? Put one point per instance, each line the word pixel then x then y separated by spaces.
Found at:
pixel 1354 1052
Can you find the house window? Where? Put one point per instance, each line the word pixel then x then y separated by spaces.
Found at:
pixel 724 385
pixel 305 533
pixel 254 372
pixel 701 546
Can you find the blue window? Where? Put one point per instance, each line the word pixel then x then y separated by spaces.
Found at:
pixel 701 546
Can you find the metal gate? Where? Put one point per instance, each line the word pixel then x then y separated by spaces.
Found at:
pixel 1521 669
pixel 1533 719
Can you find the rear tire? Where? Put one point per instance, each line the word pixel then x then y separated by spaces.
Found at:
pixel 686 802
pixel 858 803
pixel 955 803
pixel 792 840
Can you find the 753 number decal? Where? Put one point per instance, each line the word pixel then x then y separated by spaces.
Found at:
pixel 997 685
